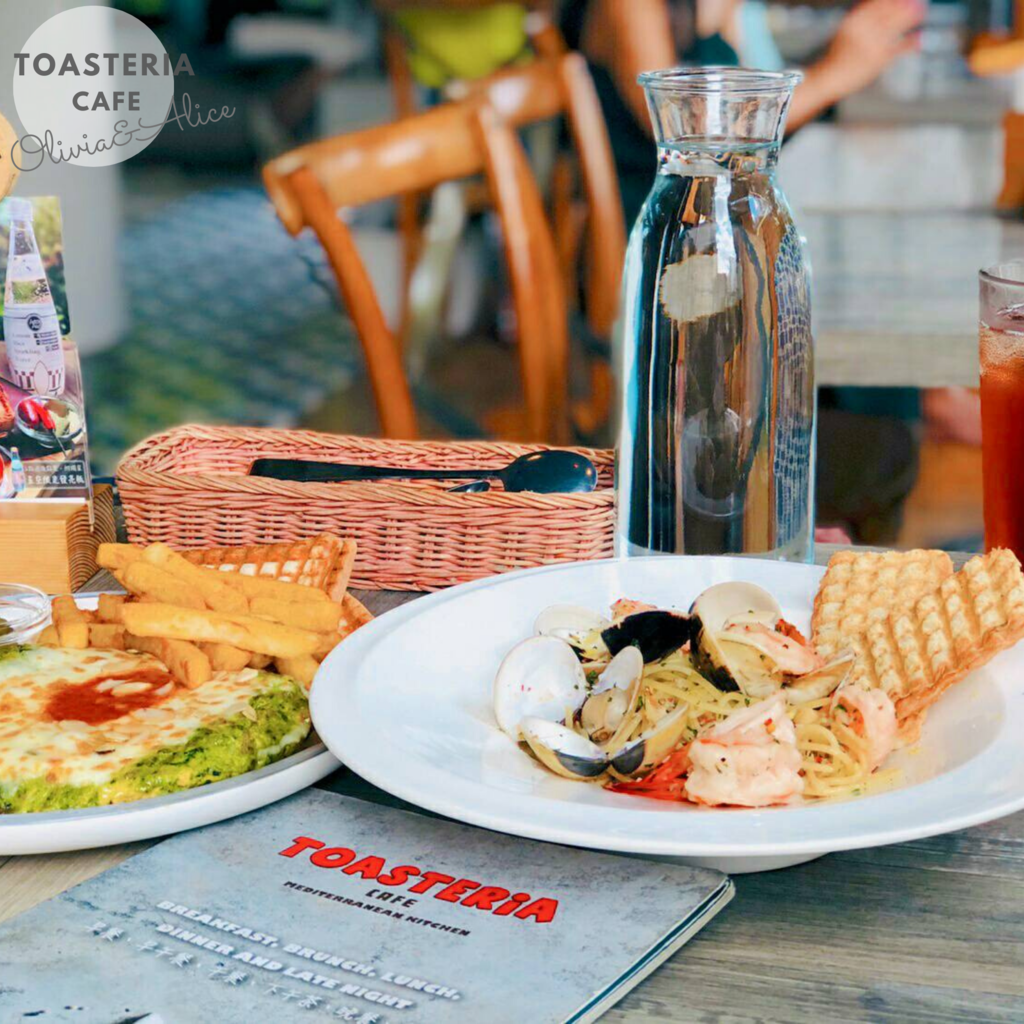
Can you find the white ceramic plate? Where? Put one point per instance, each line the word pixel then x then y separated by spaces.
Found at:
pixel 59 831
pixel 406 703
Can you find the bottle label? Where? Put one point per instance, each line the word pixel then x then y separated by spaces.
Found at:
pixel 34 348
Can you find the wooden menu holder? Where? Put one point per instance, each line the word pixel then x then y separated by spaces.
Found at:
pixel 49 545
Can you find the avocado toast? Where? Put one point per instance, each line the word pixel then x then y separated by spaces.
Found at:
pixel 83 728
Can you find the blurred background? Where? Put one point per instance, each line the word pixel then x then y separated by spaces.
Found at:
pixel 192 300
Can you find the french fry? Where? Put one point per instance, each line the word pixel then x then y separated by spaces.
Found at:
pixel 301 669
pixel 117 557
pixel 318 616
pixel 72 625
pixel 107 635
pixel 225 658
pixel 110 606
pixel 245 631
pixel 215 592
pixel 149 581
pixel 48 637
pixel 186 662
pixel 259 661
pixel 259 586
pixel 328 641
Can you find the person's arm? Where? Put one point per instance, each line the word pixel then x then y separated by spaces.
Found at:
pixel 628 37
pixel 869 38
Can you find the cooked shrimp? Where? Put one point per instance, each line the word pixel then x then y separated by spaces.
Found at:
pixel 870 714
pixel 750 759
pixel 789 654
pixel 627 606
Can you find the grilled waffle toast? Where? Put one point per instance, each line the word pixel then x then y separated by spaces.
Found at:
pixel 918 651
pixel 324 562
pixel 858 590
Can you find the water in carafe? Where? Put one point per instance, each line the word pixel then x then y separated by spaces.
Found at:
pixel 716 451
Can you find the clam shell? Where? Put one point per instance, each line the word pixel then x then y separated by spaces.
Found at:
pixel 822 681
pixel 568 622
pixel 652 747
pixel 729 663
pixel 562 750
pixel 735 602
pixel 613 694
pixel 539 677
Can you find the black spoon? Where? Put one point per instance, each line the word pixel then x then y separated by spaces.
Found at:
pixel 549 472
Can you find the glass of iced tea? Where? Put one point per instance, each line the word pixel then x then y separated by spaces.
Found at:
pixel 1001 330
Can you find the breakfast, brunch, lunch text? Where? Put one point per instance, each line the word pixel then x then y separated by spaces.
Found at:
pixel 238 956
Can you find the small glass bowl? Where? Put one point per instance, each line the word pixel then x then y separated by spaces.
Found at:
pixel 23 613
pixel 57 407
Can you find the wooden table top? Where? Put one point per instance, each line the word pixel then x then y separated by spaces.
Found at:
pixel 931 930
pixel 898 221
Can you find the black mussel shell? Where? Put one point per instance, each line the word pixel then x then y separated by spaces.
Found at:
pixel 657 633
pixel 718 675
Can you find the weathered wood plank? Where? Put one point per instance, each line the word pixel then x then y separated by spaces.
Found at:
pixel 26 881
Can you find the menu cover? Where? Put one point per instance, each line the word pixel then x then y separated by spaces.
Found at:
pixel 323 907
pixel 42 407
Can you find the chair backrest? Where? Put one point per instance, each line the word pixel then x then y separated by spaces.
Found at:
pixel 545 40
pixel 308 186
pixel 561 86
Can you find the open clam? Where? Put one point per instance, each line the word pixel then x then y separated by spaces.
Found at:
pixel 540 677
pixel 738 646
pixel 729 661
pixel 821 682
pixel 578 626
pixel 652 747
pixel 613 694
pixel 562 750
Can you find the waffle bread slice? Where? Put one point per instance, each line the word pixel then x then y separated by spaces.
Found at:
pixel 916 653
pixel 324 562
pixel 859 589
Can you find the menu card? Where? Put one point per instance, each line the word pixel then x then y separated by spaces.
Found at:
pixel 323 907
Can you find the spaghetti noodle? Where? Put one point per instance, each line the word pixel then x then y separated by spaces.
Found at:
pixel 835 762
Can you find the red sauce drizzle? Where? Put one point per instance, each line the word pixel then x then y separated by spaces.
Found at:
pixel 82 702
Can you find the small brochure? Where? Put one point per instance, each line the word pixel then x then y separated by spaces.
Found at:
pixel 324 907
pixel 42 410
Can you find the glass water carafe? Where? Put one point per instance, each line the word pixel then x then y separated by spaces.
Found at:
pixel 716 450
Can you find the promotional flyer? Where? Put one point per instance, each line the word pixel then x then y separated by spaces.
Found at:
pixel 328 908
pixel 43 449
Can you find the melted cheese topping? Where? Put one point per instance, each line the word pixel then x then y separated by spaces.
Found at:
pixel 34 745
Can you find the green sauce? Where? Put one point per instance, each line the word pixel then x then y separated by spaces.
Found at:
pixel 210 754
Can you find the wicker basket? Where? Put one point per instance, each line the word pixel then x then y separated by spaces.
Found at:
pixel 189 488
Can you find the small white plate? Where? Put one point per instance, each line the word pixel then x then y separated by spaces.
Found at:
pixel 406 703
pixel 60 831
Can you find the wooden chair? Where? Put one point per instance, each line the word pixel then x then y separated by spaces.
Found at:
pixel 308 186
pixel 544 39
pixel 591 233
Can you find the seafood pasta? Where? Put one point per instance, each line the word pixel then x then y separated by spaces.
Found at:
pixel 725 705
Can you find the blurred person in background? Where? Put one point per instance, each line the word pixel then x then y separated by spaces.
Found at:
pixel 622 38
